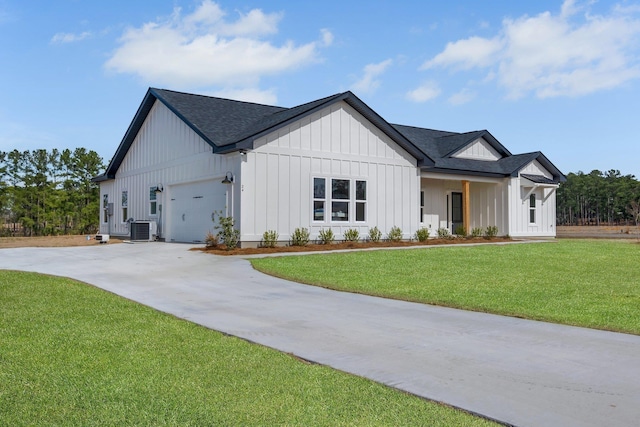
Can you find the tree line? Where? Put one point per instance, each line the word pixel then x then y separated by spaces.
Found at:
pixel 49 192
pixel 598 198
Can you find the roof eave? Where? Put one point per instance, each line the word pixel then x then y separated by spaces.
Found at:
pixel 486 135
pixel 183 118
pixel 450 171
pixel 352 100
pixel 546 163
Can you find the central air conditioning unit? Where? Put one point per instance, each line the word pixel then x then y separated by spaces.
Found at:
pixel 143 231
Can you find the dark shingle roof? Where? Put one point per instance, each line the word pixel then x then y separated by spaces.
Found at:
pixel 221 121
pixel 229 125
pixel 538 179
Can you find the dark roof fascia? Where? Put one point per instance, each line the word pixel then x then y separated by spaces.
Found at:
pixel 462 172
pixel 129 136
pixel 388 129
pixel 247 142
pixel 101 178
pixel 175 111
pixel 558 176
pixel 353 101
pixel 501 149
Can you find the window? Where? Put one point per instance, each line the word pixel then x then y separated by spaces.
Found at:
pixel 153 206
pixel 319 195
pixel 532 209
pixel 361 200
pixel 105 208
pixel 125 206
pixel 346 200
pixel 340 200
pixel 421 206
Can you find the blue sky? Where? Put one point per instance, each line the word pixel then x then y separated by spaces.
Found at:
pixel 561 77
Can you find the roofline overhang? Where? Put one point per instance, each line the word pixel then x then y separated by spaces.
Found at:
pixel 546 163
pixel 357 104
pixel 102 178
pixel 183 118
pixel 462 172
pixel 461 176
pixel 487 136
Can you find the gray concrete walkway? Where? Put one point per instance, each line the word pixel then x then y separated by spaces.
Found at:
pixel 519 372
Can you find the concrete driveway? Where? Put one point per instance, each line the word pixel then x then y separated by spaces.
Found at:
pixel 519 372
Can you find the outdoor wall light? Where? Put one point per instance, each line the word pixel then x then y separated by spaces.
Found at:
pixel 159 188
pixel 228 178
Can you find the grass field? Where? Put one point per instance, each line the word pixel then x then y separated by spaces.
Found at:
pixel 591 283
pixel 73 355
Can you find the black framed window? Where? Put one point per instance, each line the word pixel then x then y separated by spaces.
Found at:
pixel 319 198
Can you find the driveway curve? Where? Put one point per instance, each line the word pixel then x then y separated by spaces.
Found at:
pixel 519 372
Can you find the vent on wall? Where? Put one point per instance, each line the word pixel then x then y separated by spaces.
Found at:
pixel 143 231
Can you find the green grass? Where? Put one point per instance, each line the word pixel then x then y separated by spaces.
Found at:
pixel 590 283
pixel 73 355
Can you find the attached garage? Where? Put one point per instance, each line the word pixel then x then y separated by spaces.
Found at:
pixel 191 207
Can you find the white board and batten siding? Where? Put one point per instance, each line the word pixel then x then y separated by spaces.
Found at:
pixel 545 210
pixel 334 143
pixel 167 152
pixel 480 149
pixel 487 201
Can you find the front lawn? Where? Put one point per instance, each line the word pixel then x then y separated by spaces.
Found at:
pixel 74 355
pixel 591 283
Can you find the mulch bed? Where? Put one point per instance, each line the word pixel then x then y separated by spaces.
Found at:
pixel 221 250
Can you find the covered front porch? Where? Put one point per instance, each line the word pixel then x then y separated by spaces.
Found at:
pixel 461 203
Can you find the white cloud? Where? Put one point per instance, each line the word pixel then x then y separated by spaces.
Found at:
pixel 466 54
pixel 69 37
pixel 369 81
pixel 327 37
pixel 463 97
pixel 425 92
pixel 549 55
pixel 205 48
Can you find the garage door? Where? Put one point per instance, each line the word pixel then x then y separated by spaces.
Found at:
pixel 190 209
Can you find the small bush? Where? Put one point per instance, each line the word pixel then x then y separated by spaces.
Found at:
pixel 227 235
pixel 269 239
pixel 491 232
pixel 351 235
pixel 395 234
pixel 326 237
pixel 375 235
pixel 300 237
pixel 476 232
pixel 461 231
pixel 443 233
pixel 422 234
pixel 211 240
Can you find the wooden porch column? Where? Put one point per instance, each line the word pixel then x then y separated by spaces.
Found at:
pixel 466 216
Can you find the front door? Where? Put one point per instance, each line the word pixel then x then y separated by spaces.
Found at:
pixel 456 211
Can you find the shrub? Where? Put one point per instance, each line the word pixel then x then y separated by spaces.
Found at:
pixel 269 239
pixel 326 237
pixel 227 235
pixel 422 234
pixel 476 232
pixel 351 235
pixel 461 231
pixel 211 240
pixel 300 237
pixel 491 232
pixel 443 233
pixel 375 235
pixel 395 234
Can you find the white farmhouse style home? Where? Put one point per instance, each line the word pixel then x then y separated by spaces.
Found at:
pixel 331 163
